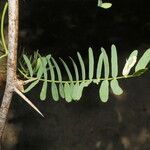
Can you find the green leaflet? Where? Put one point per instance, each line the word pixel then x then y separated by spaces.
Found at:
pixel 139 72
pixel 22 67
pixel 67 92
pixel 99 66
pixel 54 91
pixel 44 87
pixel 43 91
pixel 40 72
pixel 27 61
pixel 57 69
pixel 106 63
pixel 104 91
pixel 130 62
pixel 51 70
pixel 82 65
pixel 144 60
pixel 134 53
pixel 79 91
pixel 106 5
pixel 114 61
pixel 61 90
pixel 67 70
pixel 38 63
pixel 75 69
pixel 3 42
pixel 32 85
pixel 74 92
pixel 91 63
pixel 115 87
pixel 41 67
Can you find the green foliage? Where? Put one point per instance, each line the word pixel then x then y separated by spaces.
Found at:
pixel 47 70
pixel 105 5
pixel 143 61
pixel 37 69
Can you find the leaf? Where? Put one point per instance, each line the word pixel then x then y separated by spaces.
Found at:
pixel 38 63
pixel 32 85
pixel 57 69
pixel 44 87
pixel 61 90
pixel 51 70
pixel 71 88
pixel 139 72
pixel 106 63
pixel 43 91
pixel 115 87
pixel 79 91
pixel 130 63
pixel 91 63
pixel 67 92
pixel 106 5
pixel 134 53
pixel 82 65
pixel 41 69
pixel 67 70
pixel 104 91
pixel 22 67
pixel 144 60
pixel 74 92
pixel 75 69
pixel 99 66
pixel 27 61
pixel 114 61
pixel 54 91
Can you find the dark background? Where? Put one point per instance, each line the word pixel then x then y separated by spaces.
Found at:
pixel 63 27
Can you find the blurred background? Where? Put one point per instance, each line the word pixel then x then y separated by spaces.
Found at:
pixel 63 27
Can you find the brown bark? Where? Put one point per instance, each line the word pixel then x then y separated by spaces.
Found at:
pixel 11 62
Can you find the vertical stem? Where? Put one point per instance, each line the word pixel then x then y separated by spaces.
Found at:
pixel 11 61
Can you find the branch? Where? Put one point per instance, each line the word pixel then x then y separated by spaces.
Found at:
pixel 11 61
